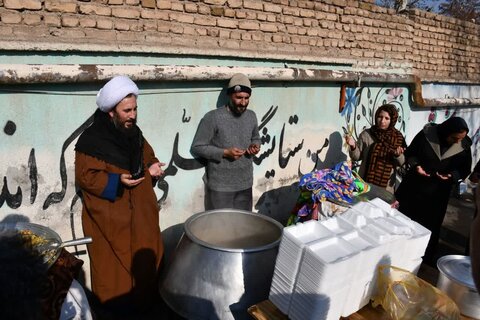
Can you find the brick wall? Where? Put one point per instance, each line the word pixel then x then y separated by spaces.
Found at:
pixel 434 47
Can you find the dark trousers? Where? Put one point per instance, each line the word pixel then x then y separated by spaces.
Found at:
pixel 234 200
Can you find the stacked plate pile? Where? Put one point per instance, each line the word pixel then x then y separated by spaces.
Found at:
pixel 324 278
pixel 362 285
pixel 327 269
pixel 290 253
pixel 419 237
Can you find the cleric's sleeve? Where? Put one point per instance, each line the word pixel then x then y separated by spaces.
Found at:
pixel 92 177
pixel 149 157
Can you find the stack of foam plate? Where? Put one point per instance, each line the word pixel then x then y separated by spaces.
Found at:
pixel 415 244
pixel 415 239
pixel 327 269
pixel 363 281
pixel 369 210
pixel 337 225
pixel 289 256
pixel 324 279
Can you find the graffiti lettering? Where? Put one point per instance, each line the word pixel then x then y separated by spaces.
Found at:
pixel 267 117
pixel 258 160
pixel 10 128
pixel 13 200
pixel 293 119
pixel 171 170
pixel 270 174
pixel 265 138
pixel 176 162
pixel 56 197
pixel 32 164
pixel 184 118
pixel 283 161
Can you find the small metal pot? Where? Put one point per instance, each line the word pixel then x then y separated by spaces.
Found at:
pixel 51 245
pixel 222 265
pixel 455 279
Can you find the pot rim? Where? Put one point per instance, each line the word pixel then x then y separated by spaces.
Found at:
pixel 37 229
pixel 441 266
pixel 209 245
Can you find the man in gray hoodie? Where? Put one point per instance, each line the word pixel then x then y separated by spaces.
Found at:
pixel 228 138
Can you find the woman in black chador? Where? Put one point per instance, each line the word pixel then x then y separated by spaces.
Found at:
pixel 439 156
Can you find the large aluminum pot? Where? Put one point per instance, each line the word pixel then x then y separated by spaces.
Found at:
pixel 222 265
pixel 455 279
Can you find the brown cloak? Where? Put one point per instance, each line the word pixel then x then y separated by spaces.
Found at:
pixel 127 246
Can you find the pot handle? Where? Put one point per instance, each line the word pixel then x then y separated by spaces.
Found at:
pixel 76 242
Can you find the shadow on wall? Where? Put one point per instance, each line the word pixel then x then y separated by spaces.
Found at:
pixel 278 203
pixel 14 218
pixel 334 153
pixel 222 98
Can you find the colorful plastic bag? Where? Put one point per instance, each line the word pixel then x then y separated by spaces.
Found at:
pixel 406 297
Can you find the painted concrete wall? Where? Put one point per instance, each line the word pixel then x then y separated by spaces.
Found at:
pixel 301 126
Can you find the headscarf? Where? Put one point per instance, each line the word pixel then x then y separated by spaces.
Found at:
pixel 450 126
pixel 380 159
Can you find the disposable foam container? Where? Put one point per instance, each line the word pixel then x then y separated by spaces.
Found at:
pixel 327 264
pixel 310 306
pixel 355 218
pixel 369 210
pixel 418 241
pixel 337 225
pixel 290 253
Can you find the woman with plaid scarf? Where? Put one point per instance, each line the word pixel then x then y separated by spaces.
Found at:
pixel 380 148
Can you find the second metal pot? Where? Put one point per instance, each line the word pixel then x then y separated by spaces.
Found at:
pixel 222 265
pixel 455 279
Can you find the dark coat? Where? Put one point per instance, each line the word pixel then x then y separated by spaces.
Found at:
pixel 425 199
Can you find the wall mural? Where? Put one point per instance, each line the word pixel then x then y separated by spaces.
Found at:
pixel 358 108
pixel 361 104
pixel 283 141
pixel 176 162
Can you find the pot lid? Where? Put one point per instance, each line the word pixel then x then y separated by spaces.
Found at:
pixel 457 268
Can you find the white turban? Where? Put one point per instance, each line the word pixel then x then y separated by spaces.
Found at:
pixel 114 91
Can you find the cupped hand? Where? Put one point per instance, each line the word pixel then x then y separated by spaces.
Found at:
pixel 350 142
pixel 444 177
pixel 233 153
pixel 156 170
pixel 253 149
pixel 422 172
pixel 399 151
pixel 126 179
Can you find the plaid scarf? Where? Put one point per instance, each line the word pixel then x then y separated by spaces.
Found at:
pixel 380 160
